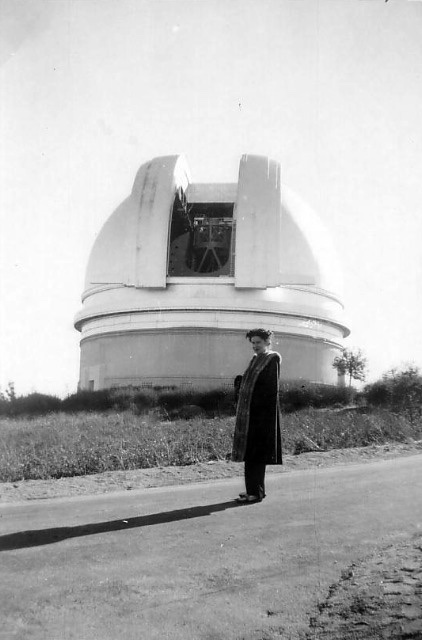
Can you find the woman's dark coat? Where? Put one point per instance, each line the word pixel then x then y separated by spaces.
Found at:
pixel 264 436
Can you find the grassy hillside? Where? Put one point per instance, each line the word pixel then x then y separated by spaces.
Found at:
pixel 62 444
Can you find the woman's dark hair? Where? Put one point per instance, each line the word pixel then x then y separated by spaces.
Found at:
pixel 265 334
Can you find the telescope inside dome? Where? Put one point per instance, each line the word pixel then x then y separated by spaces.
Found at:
pixel 201 239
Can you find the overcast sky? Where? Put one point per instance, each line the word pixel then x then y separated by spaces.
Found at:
pixel 91 89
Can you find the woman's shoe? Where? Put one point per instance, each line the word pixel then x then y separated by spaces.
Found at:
pixel 246 499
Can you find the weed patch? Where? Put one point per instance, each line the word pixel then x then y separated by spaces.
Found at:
pixel 60 445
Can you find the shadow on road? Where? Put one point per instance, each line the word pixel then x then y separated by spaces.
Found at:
pixel 39 537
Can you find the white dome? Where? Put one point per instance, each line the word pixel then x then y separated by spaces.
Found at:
pixel 132 244
pixel 272 262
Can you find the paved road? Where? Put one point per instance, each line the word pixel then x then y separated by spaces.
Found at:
pixel 186 563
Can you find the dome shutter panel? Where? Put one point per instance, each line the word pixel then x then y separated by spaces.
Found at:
pixel 155 186
pixel 258 223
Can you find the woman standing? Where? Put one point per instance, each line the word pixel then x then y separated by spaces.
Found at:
pixel 257 437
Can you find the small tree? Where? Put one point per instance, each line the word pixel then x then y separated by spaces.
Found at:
pixel 351 363
pixel 10 392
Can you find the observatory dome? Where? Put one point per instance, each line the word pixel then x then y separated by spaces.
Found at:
pixel 181 270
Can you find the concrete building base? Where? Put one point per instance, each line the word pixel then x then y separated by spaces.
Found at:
pixel 195 357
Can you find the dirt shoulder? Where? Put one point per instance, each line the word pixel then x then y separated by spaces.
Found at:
pixel 378 597
pixel 169 476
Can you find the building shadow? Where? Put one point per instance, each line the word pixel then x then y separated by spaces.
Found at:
pixel 40 537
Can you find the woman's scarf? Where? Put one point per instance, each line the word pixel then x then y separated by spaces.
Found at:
pixel 255 367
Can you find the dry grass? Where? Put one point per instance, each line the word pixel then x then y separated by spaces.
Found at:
pixel 60 445
pixel 342 429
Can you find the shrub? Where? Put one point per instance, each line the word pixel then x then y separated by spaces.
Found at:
pixel 36 404
pixel 398 391
pixel 144 400
pixel 101 400
pixel 32 404
pixel 294 396
pixel 220 401
pixel 4 406
pixel 214 401
pixel 174 399
pixel 186 412
pixel 378 394
pixel 298 395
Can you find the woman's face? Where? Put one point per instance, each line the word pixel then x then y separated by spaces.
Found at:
pixel 259 345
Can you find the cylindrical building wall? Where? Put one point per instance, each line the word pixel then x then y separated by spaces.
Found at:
pixel 195 357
